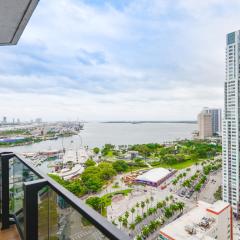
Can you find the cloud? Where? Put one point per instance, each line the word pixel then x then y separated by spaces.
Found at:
pixel 138 59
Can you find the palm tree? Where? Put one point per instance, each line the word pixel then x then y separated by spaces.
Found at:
pixel 152 226
pixel 152 199
pixel 180 206
pixel 138 219
pixel 159 205
pixel 145 231
pixel 168 212
pixel 142 206
pixel 120 219
pixel 125 222
pixel 147 202
pixel 137 206
pixel 126 214
pixel 132 211
pixel 132 226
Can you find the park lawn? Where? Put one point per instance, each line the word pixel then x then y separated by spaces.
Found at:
pixel 110 154
pixel 179 166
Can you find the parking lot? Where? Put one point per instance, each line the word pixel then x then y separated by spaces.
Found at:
pixel 207 193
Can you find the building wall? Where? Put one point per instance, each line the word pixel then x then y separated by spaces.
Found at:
pixel 216 120
pixel 230 135
pixel 205 125
pixel 223 230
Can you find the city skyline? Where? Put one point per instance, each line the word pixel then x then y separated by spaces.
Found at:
pixel 64 176
pixel 132 60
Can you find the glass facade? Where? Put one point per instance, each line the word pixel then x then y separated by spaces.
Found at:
pixel 58 220
pixel 18 174
pixel 231 38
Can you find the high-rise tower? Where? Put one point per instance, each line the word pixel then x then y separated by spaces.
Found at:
pixel 205 124
pixel 231 119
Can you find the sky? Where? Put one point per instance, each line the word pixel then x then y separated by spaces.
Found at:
pixel 98 60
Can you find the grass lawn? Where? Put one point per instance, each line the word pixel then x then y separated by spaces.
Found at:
pixel 110 154
pixel 179 166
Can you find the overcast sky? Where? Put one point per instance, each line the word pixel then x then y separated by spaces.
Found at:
pixel 118 60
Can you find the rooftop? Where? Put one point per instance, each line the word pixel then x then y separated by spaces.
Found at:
pixel 195 224
pixel 154 175
pixel 218 207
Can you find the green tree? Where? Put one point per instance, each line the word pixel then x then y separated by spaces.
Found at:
pixel 138 219
pixel 93 184
pixel 159 205
pixel 126 214
pixel 96 150
pixel 218 194
pixel 94 202
pixel 132 226
pixel 152 199
pixel 145 231
pixel 106 171
pixel 132 211
pixel 107 148
pixel 168 212
pixel 120 166
pixel 90 163
pixel 139 237
pixel 125 222
pixel 142 206
pixel 120 219
pixel 180 206
pixel 147 202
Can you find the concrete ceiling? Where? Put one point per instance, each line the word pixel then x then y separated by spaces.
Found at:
pixel 14 16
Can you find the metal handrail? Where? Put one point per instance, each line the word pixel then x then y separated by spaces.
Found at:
pixel 108 229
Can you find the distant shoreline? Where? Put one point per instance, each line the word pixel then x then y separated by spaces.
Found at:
pixel 139 122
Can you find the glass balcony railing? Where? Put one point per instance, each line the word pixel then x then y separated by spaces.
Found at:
pixel 42 209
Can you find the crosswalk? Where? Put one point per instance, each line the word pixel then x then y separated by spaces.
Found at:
pixel 88 234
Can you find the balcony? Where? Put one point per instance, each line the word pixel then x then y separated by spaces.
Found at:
pixel 33 206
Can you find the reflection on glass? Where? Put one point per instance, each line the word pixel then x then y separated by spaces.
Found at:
pixel 18 174
pixel 58 220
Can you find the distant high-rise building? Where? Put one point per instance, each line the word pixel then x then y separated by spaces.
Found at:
pixel 216 120
pixel 205 124
pixel 38 120
pixel 231 124
pixel 4 119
